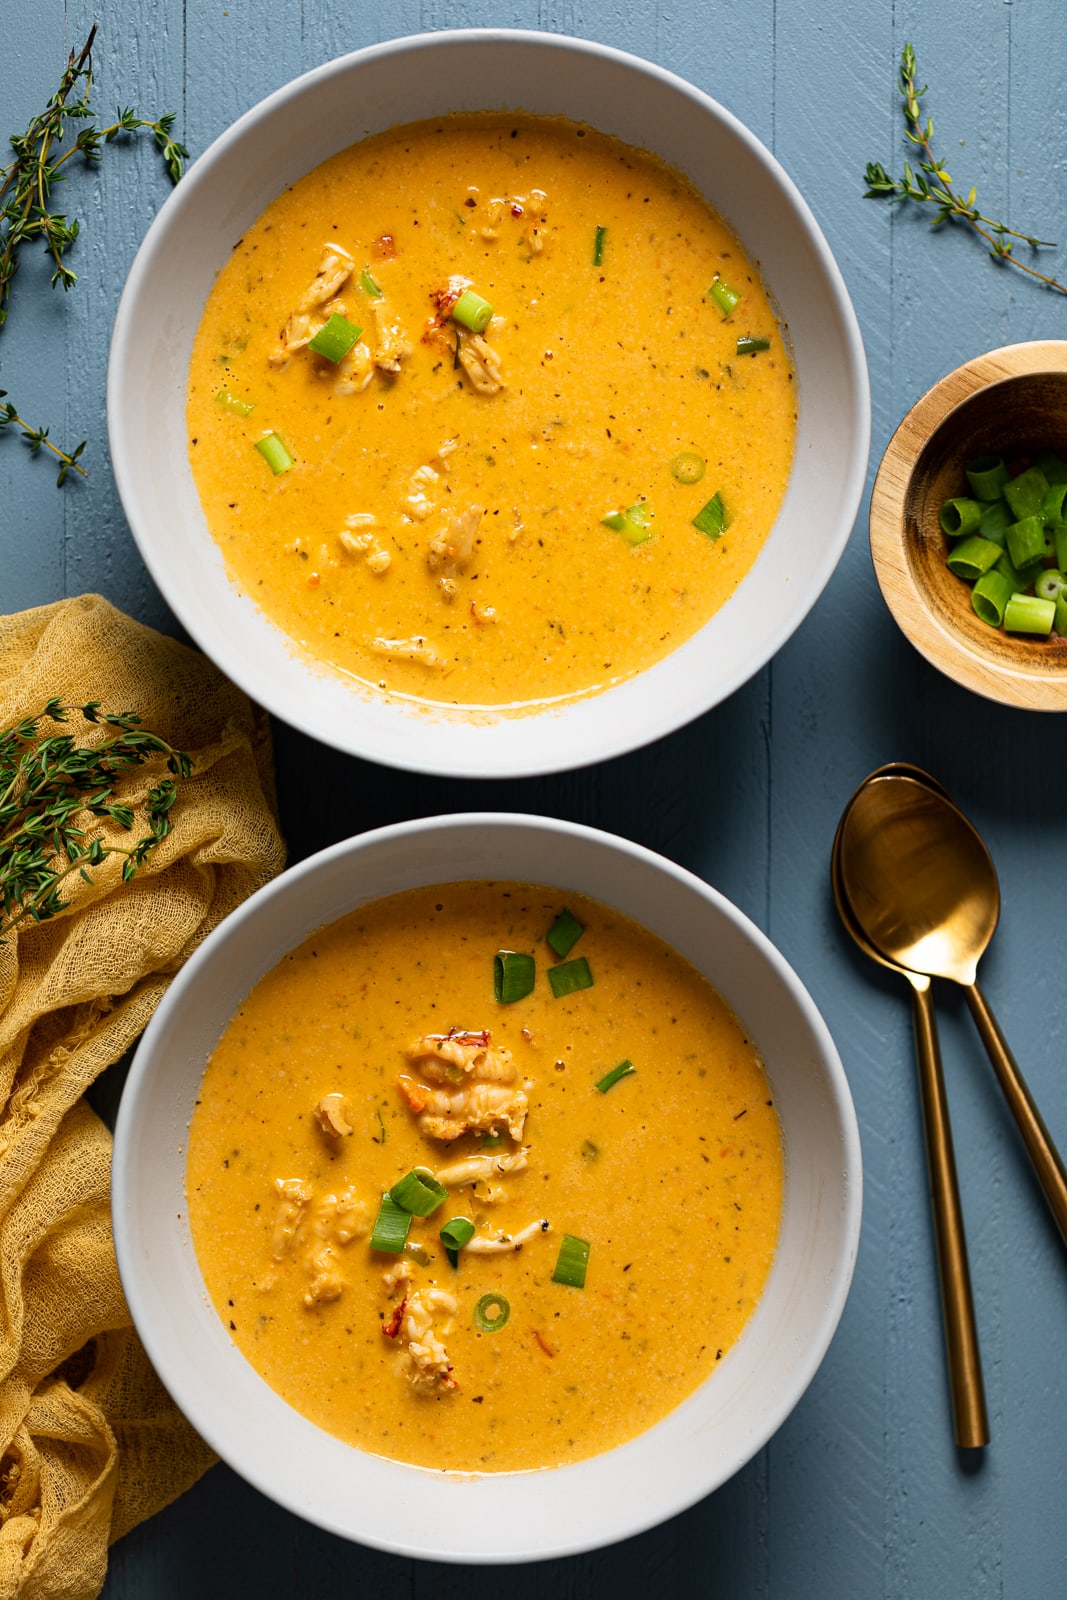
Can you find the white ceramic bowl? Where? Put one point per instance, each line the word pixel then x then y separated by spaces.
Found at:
pixel 334 106
pixel 521 1516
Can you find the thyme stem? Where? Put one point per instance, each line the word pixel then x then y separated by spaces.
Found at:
pixel 25 197
pixel 933 184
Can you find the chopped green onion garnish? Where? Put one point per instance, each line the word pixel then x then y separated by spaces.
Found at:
pixel 335 338
pixel 634 524
pixel 712 519
pixel 973 556
pixel 1053 508
pixel 492 1141
pixel 1050 583
pixel 995 521
pixel 1026 541
pixel 390 1227
pixel 1026 492
pixel 987 476
pixel 598 247
pixel 990 595
pixel 491 1313
pixel 959 516
pixel 234 403
pixel 513 976
pixel 608 1081
pixel 750 344
pixel 369 285
pixel 456 1233
pixel 688 467
pixel 572 1261
pixel 1052 465
pixel 472 311
pixel 564 933
pixel 418 1192
pixel 275 453
pixel 724 296
pixel 1026 613
pixel 569 976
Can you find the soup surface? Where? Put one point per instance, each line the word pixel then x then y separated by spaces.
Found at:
pixel 377 1048
pixel 437 526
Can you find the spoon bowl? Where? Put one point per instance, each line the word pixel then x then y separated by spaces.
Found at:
pixel 919 877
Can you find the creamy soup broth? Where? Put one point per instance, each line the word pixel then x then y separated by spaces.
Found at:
pixel 339 1076
pixel 439 533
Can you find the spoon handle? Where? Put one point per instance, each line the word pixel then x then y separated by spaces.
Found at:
pixel 970 1422
pixel 1045 1158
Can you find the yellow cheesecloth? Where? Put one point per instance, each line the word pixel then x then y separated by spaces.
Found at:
pixel 90 1443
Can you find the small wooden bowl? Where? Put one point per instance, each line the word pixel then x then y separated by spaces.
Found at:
pixel 1010 402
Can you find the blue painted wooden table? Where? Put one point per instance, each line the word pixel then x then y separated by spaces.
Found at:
pixel 862 1493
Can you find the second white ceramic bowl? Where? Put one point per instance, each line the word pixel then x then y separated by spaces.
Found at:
pixel 521 1516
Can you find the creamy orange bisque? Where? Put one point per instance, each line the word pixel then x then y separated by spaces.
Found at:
pixel 479 1234
pixel 459 395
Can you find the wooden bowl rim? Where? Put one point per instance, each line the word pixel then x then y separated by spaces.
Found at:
pixel 1024 683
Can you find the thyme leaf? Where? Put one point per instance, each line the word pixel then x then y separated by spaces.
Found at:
pixel 55 787
pixel 26 184
pixel 932 184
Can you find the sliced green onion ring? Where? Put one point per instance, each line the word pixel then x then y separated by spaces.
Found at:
pixel 987 476
pixel 570 976
pixel 457 1232
pixel 572 1262
pixel 1026 613
pixel 390 1232
pixel 1026 541
pixel 564 933
pixel 713 518
pixel 973 556
pixel 634 523
pixel 370 285
pixel 1026 492
pixel 234 403
pixel 610 1079
pixel 1050 583
pixel 724 296
pixel 751 344
pixel 418 1192
pixel 598 247
pixel 688 467
pixel 513 976
pixel 275 453
pixel 472 311
pixel 335 338
pixel 990 595
pixel 491 1313
pixel 960 516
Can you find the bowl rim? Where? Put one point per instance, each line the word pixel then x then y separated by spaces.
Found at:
pixel 649 1503
pixel 1024 684
pixel 673 699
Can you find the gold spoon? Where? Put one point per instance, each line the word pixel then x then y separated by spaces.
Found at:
pixel 924 887
pixel 969 1417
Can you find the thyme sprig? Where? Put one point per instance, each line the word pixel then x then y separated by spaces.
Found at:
pixel 51 785
pixel 38 437
pixel 25 199
pixel 932 184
